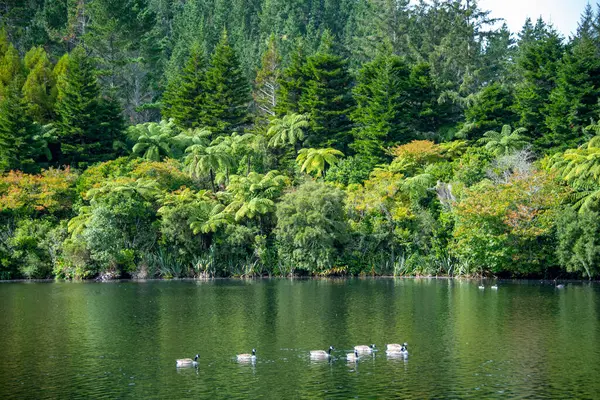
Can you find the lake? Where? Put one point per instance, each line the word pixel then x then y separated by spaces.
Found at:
pixel 121 339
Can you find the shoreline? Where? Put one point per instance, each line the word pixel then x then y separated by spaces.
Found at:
pixel 257 278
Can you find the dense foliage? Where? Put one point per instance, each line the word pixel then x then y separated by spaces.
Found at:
pixel 176 138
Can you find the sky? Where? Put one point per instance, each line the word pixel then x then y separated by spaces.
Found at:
pixel 564 14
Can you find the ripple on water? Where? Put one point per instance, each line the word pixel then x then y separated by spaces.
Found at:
pixel 121 340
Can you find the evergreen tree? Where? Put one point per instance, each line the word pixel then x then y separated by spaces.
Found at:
pixel 87 125
pixel 227 93
pixel 266 84
pixel 498 56
pixel 11 68
pixel 18 147
pixel 490 110
pixel 292 83
pixel 376 21
pixel 574 101
pixel 539 52
pixel 39 90
pixel 381 103
pixel 183 100
pixel 428 116
pixel 327 98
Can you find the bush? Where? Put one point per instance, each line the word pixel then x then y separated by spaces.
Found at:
pixel 579 241
pixel 311 227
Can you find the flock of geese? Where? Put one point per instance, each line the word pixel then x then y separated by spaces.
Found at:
pixel 392 350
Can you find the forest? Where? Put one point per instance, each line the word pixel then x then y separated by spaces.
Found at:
pixel 206 138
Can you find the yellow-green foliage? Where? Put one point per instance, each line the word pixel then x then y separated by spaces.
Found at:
pixel 508 226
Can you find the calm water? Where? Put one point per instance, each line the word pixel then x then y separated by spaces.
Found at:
pixel 120 340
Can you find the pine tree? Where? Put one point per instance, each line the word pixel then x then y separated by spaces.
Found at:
pixel 18 149
pixel 574 101
pixel 327 99
pixel 292 83
pixel 381 95
pixel 490 110
pixel 266 83
pixel 376 21
pixel 539 52
pixel 429 117
pixel 87 125
pixel 227 93
pixel 183 100
pixel 39 90
pixel 11 68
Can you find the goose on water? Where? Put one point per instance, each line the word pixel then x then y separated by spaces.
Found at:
pixel 247 357
pixel 188 362
pixel 395 346
pixel 352 356
pixel 398 351
pixel 365 349
pixel 321 354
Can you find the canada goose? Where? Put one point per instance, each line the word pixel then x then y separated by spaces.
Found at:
pixel 352 356
pixel 394 347
pixel 321 354
pixel 188 362
pixel 365 349
pixel 247 357
pixel 494 287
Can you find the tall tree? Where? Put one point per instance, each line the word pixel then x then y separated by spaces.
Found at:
pixel 381 118
pixel 376 21
pixel 87 125
pixel 227 92
pixel 327 99
pixel 11 68
pixel 266 84
pixel 537 58
pixel 574 101
pixel 292 83
pixel 18 133
pixel 39 89
pixel 490 109
pixel 183 100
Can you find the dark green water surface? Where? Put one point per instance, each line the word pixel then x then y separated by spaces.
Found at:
pixel 121 339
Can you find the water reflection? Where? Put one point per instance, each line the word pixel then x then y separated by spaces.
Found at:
pixel 121 339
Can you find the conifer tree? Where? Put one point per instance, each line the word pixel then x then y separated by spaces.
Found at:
pixel 87 125
pixel 292 83
pixel 381 103
pixel 227 93
pixel 537 59
pixel 266 84
pixel 39 90
pixel 574 101
pixel 327 98
pixel 11 68
pixel 17 132
pixel 490 110
pixel 428 116
pixel 183 100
